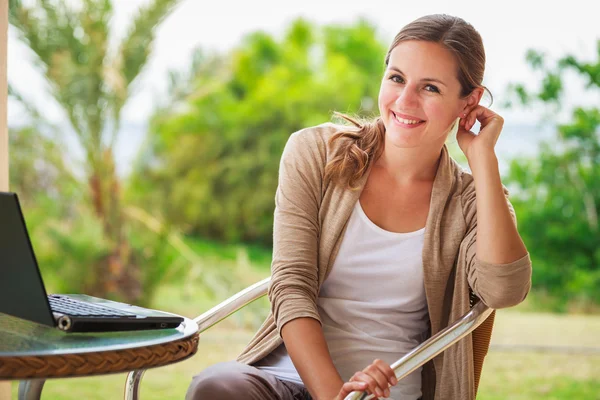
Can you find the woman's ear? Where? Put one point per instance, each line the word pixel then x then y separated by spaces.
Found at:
pixel 473 100
pixel 477 94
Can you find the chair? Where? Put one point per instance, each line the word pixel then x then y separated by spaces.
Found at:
pixel 479 320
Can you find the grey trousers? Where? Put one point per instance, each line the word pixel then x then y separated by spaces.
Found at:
pixel 234 380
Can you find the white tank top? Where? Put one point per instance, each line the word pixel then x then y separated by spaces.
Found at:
pixel 372 304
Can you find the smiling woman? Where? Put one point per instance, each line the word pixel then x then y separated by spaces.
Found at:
pixel 381 239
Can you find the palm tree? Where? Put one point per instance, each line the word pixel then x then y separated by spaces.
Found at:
pixel 92 81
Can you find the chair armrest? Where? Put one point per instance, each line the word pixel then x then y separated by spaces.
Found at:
pixel 231 305
pixel 205 321
pixel 435 345
pixel 402 367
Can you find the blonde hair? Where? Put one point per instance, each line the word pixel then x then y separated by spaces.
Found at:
pixel 358 148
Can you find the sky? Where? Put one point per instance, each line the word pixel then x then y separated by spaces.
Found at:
pixel 508 29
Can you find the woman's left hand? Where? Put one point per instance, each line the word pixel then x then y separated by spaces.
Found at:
pixel 483 142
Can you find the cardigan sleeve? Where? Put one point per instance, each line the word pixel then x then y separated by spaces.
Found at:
pixel 294 273
pixel 497 285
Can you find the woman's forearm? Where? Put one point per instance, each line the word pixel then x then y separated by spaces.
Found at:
pixel 498 240
pixel 306 345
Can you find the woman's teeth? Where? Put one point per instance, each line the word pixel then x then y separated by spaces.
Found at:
pixel 406 121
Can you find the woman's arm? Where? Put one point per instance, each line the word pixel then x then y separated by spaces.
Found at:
pixel 497 262
pixel 305 343
pixel 294 271
pixel 293 290
pixel 308 350
pixel 498 241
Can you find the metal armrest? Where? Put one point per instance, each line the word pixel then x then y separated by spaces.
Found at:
pixel 236 302
pixel 435 345
pixel 404 366
pixel 205 321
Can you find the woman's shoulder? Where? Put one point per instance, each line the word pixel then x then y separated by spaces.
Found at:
pixel 316 139
pixel 319 135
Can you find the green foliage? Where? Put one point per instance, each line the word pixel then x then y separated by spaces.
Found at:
pixel 87 232
pixel 65 236
pixel 213 152
pixel 38 170
pixel 558 193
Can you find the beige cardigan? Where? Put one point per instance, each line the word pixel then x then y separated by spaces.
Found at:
pixel 310 219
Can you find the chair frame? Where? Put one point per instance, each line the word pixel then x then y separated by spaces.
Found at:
pixel 416 358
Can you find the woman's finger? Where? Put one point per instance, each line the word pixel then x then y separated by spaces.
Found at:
pixel 387 371
pixel 470 118
pixel 372 386
pixel 473 116
pixel 482 114
pixel 350 387
pixel 377 371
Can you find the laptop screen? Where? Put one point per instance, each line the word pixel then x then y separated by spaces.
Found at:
pixel 22 292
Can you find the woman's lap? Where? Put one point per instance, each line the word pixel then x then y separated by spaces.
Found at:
pixel 232 380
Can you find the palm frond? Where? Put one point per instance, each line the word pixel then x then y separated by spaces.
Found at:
pixel 70 44
pixel 48 28
pixel 136 47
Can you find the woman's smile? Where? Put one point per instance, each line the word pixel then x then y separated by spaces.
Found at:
pixel 406 121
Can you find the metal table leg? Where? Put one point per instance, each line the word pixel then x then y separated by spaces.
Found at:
pixel 31 390
pixel 132 385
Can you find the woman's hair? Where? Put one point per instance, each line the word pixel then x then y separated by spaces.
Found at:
pixel 359 147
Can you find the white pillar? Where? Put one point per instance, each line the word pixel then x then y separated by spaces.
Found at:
pixel 4 386
pixel 3 96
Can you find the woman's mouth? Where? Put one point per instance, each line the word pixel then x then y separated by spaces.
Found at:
pixel 406 122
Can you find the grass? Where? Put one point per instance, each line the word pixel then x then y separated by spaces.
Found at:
pixel 515 375
pixel 529 375
pixel 532 376
pixel 260 257
pixel 544 329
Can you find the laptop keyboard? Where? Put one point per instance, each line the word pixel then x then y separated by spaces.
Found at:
pixel 65 305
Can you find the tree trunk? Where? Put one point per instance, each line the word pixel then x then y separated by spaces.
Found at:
pixel 116 274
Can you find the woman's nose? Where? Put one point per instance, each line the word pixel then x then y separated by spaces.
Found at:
pixel 407 98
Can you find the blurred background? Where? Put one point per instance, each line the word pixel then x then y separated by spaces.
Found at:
pixel 145 137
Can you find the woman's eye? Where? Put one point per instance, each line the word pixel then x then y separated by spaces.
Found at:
pixel 431 88
pixel 396 79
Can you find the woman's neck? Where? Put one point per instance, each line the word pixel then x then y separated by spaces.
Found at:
pixel 410 165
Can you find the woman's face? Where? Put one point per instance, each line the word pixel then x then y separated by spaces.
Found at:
pixel 419 98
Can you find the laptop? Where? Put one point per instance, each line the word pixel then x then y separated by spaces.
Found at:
pixel 23 294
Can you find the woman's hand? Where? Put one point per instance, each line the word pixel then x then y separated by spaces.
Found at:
pixel 375 379
pixel 483 143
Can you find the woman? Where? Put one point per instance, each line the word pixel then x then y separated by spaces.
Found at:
pixel 379 237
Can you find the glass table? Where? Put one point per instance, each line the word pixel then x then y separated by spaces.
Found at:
pixel 32 353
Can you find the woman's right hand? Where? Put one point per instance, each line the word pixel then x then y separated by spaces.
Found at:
pixel 375 379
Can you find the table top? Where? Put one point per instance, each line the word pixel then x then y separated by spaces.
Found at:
pixel 30 350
